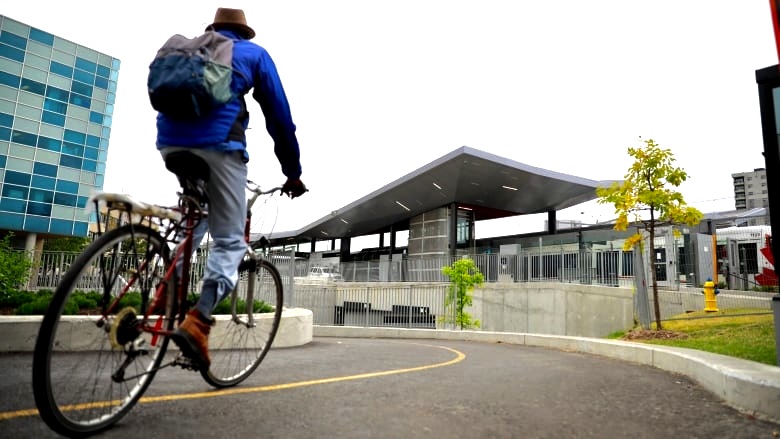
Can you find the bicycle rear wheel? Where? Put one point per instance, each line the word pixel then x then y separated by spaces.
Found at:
pixel 240 340
pixel 89 370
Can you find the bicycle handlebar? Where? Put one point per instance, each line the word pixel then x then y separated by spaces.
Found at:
pixel 255 188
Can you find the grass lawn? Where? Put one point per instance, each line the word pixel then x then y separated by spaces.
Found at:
pixel 750 337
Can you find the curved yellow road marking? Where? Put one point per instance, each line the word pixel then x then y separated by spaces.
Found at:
pixel 459 356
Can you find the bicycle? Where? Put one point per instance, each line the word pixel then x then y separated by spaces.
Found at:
pixel 142 300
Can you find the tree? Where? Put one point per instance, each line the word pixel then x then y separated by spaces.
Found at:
pixel 464 275
pixel 14 266
pixel 646 188
pixel 73 244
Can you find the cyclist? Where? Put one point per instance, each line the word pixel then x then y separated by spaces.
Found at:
pixel 219 138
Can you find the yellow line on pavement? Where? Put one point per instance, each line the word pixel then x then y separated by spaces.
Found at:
pixel 459 356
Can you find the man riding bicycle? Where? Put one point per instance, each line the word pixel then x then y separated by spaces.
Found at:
pixel 219 138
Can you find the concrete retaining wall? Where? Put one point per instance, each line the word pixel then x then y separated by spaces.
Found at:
pixel 542 308
pixel 554 308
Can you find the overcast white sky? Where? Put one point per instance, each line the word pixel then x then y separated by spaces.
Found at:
pixel 381 88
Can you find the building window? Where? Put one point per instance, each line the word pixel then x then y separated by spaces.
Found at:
pixel 33 86
pixel 70 162
pixel 57 93
pixel 11 205
pixel 103 71
pixel 19 178
pixel 55 106
pixel 13 39
pixel 6 120
pixel 61 69
pixel 82 76
pixel 11 53
pixel 83 64
pixel 41 36
pixel 41 182
pixel 72 149
pixel 9 79
pixel 24 138
pixel 41 196
pixel 80 228
pixel 70 187
pixel 82 89
pixel 40 209
pixel 65 199
pixel 79 100
pixel 45 169
pixel 90 165
pixel 62 227
pixel 101 83
pixel 12 191
pixel 36 224
pixel 53 118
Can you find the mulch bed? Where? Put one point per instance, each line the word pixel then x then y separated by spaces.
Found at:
pixel 646 334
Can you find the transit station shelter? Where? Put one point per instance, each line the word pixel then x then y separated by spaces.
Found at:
pixel 440 202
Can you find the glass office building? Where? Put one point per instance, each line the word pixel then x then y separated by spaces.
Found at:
pixel 56 102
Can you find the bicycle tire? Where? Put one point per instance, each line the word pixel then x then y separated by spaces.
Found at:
pixel 236 348
pixel 75 357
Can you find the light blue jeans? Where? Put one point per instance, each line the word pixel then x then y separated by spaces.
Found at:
pixel 226 218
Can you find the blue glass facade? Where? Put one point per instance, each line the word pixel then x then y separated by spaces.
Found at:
pixel 56 105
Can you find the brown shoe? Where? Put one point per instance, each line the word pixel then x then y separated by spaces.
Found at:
pixel 192 337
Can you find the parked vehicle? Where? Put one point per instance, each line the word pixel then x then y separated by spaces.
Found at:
pixel 324 274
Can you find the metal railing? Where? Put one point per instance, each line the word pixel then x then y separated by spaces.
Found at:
pixel 744 274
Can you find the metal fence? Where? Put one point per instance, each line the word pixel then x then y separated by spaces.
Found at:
pixel 737 259
pixel 582 266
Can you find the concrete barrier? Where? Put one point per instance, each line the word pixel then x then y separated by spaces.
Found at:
pixel 18 333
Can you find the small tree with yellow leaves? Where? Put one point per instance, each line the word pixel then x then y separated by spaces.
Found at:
pixel 645 190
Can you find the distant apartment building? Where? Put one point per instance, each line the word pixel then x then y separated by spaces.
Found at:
pixel 56 106
pixel 750 192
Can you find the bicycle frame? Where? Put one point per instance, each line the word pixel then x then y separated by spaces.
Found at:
pixel 191 213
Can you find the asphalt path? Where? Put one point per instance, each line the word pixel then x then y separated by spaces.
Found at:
pixel 380 388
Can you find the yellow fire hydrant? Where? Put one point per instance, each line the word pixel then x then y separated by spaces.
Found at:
pixel 710 302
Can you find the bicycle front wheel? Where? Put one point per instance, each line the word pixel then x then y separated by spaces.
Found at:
pixel 89 370
pixel 246 324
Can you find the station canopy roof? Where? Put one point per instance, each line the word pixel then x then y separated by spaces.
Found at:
pixel 490 185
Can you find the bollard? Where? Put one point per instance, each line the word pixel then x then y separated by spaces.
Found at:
pixel 776 315
pixel 710 302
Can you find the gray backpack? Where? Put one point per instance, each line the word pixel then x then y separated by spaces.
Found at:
pixel 189 77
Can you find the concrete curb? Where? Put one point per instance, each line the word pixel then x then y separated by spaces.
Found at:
pixel 747 386
pixel 18 333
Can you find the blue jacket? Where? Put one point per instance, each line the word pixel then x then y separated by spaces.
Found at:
pixel 252 68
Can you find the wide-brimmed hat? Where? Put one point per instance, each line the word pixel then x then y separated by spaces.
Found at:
pixel 234 19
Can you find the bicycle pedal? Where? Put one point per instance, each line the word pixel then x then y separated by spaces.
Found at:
pixel 186 363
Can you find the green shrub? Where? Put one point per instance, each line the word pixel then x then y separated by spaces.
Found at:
pixel 15 299
pixel 259 306
pixel 130 299
pixel 40 304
